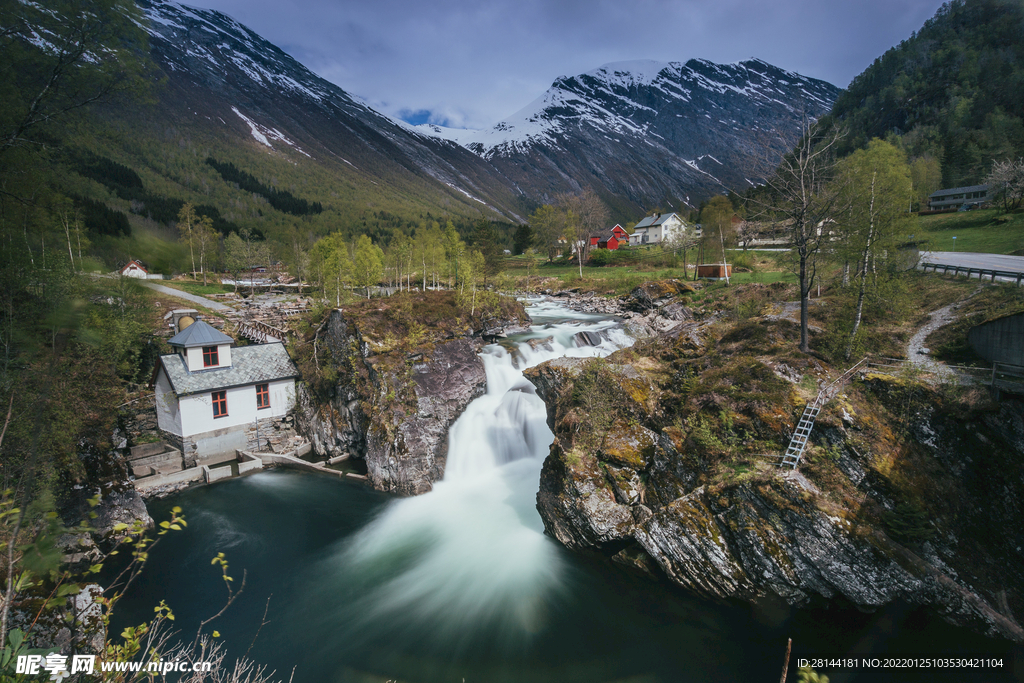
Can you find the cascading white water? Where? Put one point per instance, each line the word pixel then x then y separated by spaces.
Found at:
pixel 471 553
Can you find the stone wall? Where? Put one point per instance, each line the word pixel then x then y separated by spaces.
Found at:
pixel 138 419
pixel 275 435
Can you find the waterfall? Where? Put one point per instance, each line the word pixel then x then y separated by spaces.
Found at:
pixel 470 557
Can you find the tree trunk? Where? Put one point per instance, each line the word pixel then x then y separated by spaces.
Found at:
pixel 863 270
pixel 192 252
pixel 805 291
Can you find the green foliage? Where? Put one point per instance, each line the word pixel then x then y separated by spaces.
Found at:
pixel 119 330
pixel 44 85
pixel 716 217
pixel 597 393
pixel 100 219
pixel 909 523
pixel 485 240
pixel 926 176
pixel 600 257
pixel 548 224
pixel 367 263
pixel 282 200
pixel 876 191
pixel 950 92
pixel 125 182
pixel 523 239
pixel 808 675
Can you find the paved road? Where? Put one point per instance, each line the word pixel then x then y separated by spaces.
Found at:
pixel 202 301
pixel 998 262
pixel 972 260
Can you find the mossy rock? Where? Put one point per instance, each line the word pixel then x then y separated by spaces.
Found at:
pixel 628 445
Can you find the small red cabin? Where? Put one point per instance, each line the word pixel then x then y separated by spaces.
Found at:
pixel 611 239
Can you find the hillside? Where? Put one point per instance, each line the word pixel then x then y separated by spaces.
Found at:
pixel 646 133
pixel 226 106
pixel 951 92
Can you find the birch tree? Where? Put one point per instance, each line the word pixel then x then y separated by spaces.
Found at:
pixel 454 250
pixel 878 189
pixel 367 263
pixel 585 215
pixel 548 224
pixel 187 221
pixel 205 239
pixel 1007 180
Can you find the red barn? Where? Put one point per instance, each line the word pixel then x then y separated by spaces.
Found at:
pixel 611 239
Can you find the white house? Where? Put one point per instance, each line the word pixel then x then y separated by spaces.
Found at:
pixel 657 228
pixel 209 394
pixel 134 268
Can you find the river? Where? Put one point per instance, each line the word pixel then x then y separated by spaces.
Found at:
pixel 461 584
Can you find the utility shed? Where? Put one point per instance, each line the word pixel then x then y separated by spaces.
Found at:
pixel 1000 340
pixel 209 394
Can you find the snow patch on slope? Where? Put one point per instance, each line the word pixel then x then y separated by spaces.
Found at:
pixel 263 135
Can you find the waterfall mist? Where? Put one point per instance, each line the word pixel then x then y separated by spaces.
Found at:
pixel 469 560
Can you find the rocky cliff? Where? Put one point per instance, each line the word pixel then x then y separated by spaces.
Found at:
pixel 387 378
pixel 907 493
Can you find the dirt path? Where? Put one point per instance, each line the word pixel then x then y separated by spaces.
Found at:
pixel 790 310
pixel 919 355
pixel 202 301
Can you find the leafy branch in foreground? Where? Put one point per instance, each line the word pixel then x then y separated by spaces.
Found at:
pixel 147 643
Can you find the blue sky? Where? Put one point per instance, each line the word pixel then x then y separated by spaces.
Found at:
pixel 470 64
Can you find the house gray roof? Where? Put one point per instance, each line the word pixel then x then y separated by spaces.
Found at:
pixel 249 365
pixel 200 333
pixel 959 190
pixel 651 221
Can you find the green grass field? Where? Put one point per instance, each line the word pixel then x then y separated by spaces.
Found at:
pixel 987 231
pixel 621 279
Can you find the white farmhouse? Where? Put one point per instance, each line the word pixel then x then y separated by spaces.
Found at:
pixel 135 268
pixel 209 394
pixel 657 228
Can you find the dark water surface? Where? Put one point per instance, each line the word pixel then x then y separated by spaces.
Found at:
pixel 291 533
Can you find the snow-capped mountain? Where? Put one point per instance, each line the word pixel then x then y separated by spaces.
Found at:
pixel 220 73
pixel 651 130
pixel 642 134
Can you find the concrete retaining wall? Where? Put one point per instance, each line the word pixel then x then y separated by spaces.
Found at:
pixel 1000 340
pixel 291 460
pixel 191 474
pixel 248 463
pixel 212 474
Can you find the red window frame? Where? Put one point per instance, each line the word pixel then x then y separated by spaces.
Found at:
pixel 220 404
pixel 210 356
pixel 262 396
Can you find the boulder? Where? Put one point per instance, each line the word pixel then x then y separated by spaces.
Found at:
pixel 587 338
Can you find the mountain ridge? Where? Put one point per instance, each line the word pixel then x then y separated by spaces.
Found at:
pixel 628 102
pixel 233 95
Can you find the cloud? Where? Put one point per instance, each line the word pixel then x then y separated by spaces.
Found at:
pixel 469 64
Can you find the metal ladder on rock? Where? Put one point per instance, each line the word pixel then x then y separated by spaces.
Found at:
pixel 802 433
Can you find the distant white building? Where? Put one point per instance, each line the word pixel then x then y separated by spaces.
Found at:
pixel 134 268
pixel 657 228
pixel 208 393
